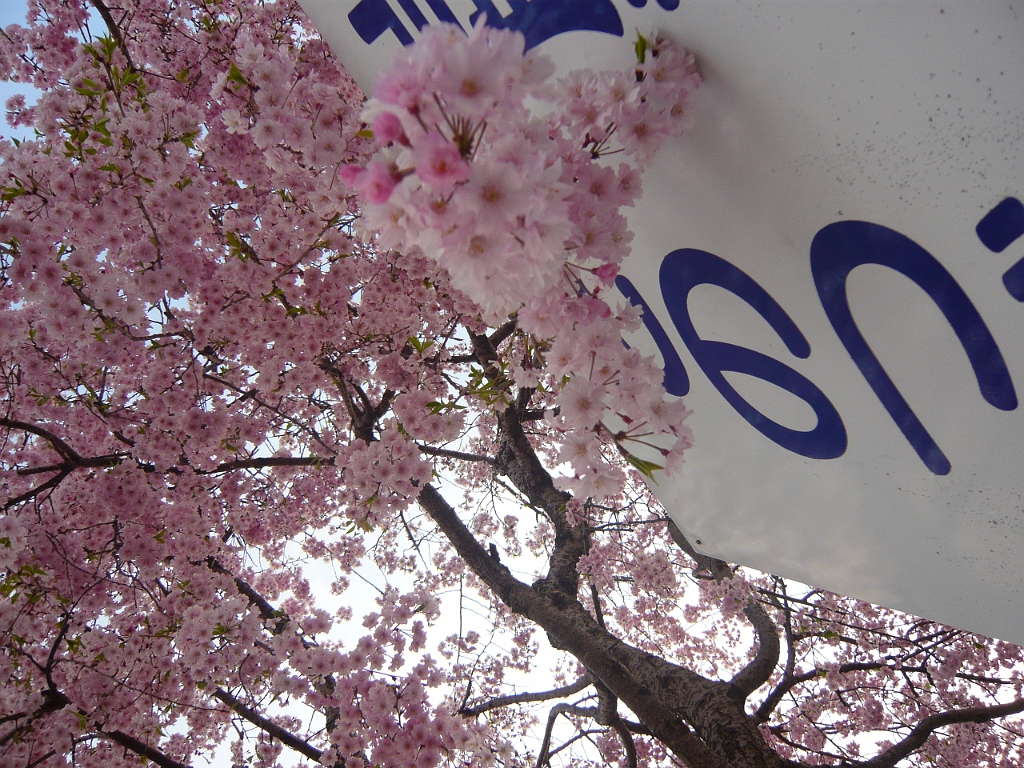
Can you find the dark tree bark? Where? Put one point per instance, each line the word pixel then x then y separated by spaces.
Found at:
pixel 702 721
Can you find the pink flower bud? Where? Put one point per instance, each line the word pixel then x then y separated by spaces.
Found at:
pixel 377 184
pixel 607 273
pixel 388 128
pixel 438 162
pixel 350 174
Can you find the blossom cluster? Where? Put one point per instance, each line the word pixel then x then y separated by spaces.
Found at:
pixel 464 175
pixel 525 215
pixel 244 327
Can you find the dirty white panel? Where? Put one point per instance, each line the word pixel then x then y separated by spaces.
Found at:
pixel 907 118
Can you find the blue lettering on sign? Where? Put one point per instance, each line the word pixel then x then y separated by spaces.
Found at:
pixel 1000 227
pixel 840 248
pixel 683 270
pixel 443 12
pixel 415 14
pixel 668 5
pixel 836 251
pixel 538 20
pixel 372 18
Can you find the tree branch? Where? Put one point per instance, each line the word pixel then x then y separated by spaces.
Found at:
pixel 66 451
pixel 627 741
pixel 924 729
pixel 509 589
pixel 270 727
pixel 772 701
pixel 42 759
pixel 115 31
pixel 790 681
pixel 536 414
pixel 608 715
pixel 759 670
pixel 141 748
pixel 501 333
pixel 711 566
pixel 54 700
pixel 525 698
pixel 445 453
pixel 607 658
pixel 267 611
pixel 272 461
pixel 559 709
pixel 53 482
pixel 518 460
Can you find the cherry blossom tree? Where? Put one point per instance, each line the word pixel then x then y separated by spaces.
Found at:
pixel 250 324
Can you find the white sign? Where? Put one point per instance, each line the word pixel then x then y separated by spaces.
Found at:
pixel 832 266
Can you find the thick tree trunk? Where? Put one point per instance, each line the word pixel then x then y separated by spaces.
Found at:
pixel 700 720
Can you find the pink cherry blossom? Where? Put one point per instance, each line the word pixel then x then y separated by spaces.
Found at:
pixel 388 128
pixel 377 183
pixel 439 163
pixel 322 447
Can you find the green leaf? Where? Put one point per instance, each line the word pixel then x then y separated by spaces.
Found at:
pixel 278 294
pixel 644 467
pixel 109 45
pixel 88 88
pixel 9 193
pixel 420 346
pixel 437 407
pixel 235 76
pixel 640 47
pixel 239 248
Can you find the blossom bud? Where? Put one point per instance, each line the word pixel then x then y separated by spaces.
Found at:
pixel 388 128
